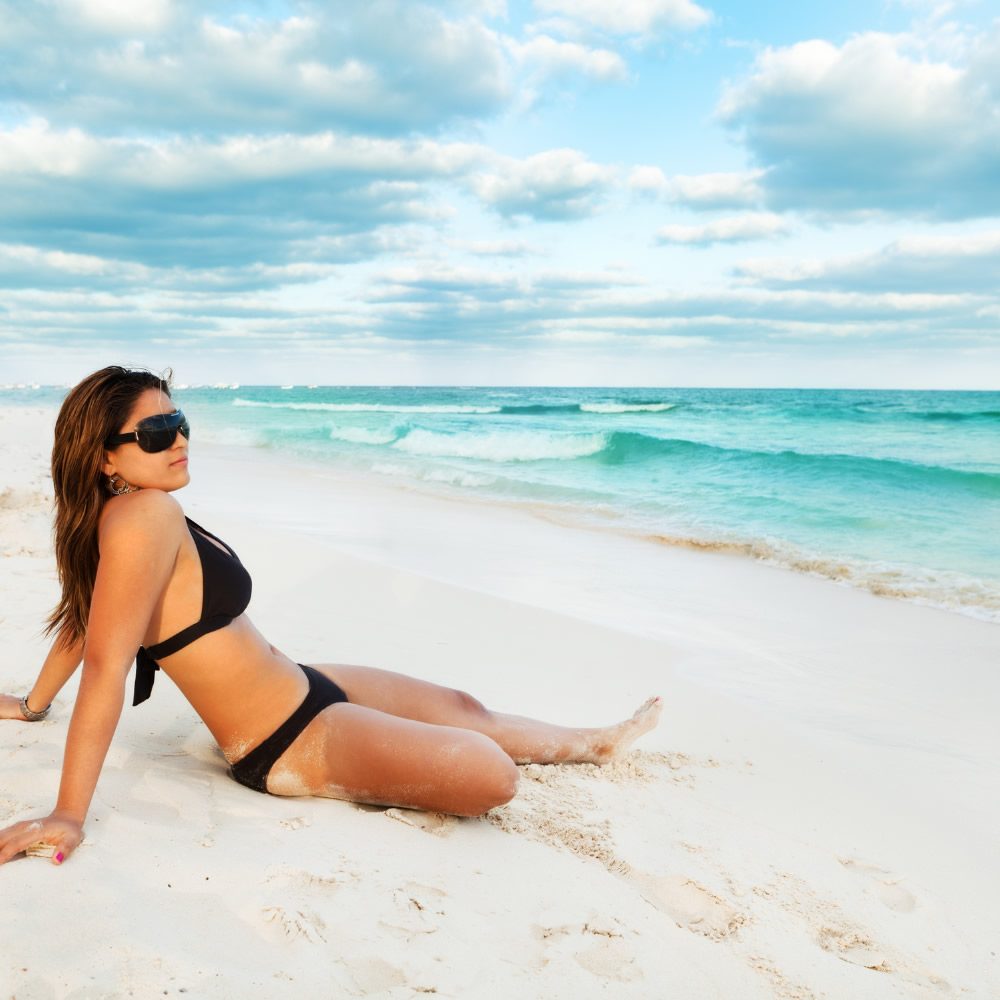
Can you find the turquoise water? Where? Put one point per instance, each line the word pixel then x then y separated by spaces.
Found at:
pixel 896 491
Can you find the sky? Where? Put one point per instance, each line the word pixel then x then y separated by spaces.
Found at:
pixel 474 192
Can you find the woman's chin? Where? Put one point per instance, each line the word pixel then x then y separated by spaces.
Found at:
pixel 177 481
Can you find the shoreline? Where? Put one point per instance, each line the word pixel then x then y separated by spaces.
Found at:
pixel 969 597
pixel 945 589
pixel 813 816
pixel 782 556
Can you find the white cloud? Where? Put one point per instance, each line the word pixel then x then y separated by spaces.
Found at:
pixel 557 184
pixel 699 191
pixel 232 201
pixel 451 297
pixel 22 265
pixel 35 149
pixel 483 309
pixel 648 180
pixel 869 82
pixel 192 164
pixel 873 125
pixel 121 17
pixel 964 246
pixel 272 198
pixel 384 66
pixel 736 229
pixel 630 17
pixel 494 248
pixel 549 57
pixel 968 262
pixel 38 150
pixel 609 338
pixel 718 190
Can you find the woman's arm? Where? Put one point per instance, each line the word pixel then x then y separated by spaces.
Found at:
pixel 58 667
pixel 138 548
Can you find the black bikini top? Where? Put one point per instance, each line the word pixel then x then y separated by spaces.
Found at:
pixel 225 594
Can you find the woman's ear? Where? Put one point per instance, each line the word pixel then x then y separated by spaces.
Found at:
pixel 108 467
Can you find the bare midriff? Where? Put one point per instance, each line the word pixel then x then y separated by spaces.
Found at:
pixel 240 685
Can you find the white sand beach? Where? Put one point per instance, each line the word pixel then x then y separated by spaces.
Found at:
pixel 815 817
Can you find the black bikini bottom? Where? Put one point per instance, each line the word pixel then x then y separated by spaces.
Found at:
pixel 253 769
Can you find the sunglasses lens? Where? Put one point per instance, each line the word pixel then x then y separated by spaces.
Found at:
pixel 158 433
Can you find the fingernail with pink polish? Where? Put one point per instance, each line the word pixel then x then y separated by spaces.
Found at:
pixel 59 857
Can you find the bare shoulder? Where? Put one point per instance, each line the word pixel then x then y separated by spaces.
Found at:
pixel 148 516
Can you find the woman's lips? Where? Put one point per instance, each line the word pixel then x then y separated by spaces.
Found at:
pixel 180 461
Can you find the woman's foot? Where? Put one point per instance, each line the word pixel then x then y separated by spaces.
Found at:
pixel 606 744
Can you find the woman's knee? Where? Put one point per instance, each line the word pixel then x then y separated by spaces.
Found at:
pixel 507 781
pixel 496 781
pixel 504 780
pixel 468 708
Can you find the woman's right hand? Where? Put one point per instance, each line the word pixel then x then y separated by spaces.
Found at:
pixel 10 708
pixel 61 831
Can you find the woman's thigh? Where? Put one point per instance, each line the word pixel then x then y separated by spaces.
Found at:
pixel 407 697
pixel 353 752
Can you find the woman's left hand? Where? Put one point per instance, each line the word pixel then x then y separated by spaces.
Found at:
pixel 10 708
pixel 62 832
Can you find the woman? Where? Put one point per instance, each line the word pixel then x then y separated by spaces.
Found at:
pixel 136 573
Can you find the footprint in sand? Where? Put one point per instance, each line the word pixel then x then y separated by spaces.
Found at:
pixel 853 946
pixel 782 987
pixel 689 904
pixel 302 878
pixel 885 885
pixel 295 822
pixel 292 924
pixel 439 824
pixel 599 945
pixel 375 976
pixel 838 935
pixel 430 897
pixel 416 910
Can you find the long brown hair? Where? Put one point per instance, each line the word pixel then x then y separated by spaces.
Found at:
pixel 93 410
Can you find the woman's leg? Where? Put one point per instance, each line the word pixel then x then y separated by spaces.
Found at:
pixel 525 740
pixel 352 752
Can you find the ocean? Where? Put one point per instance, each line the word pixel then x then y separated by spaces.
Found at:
pixel 894 491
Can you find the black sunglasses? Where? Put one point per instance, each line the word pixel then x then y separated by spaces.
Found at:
pixel 156 433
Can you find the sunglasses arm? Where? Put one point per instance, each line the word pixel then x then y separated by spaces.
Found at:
pixel 113 442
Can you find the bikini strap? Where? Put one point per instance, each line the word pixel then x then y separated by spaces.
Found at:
pixel 205 531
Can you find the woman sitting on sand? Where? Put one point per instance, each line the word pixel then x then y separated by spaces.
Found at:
pixel 136 573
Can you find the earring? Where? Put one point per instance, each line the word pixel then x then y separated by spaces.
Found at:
pixel 121 486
